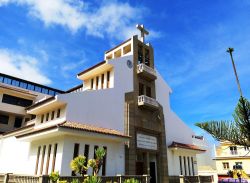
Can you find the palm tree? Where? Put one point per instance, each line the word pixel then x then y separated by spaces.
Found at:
pixel 237 131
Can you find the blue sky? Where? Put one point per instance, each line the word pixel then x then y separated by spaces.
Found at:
pixel 49 42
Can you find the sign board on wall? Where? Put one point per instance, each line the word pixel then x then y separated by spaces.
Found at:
pixel 146 141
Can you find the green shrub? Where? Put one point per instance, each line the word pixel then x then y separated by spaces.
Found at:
pixel 131 181
pixel 92 179
pixel 77 164
pixel 75 181
pixel 62 181
pixel 54 176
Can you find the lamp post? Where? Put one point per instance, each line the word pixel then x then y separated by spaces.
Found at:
pixel 230 51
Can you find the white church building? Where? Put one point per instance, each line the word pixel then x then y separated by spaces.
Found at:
pixel 122 104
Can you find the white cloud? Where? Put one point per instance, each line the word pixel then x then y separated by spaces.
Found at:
pixel 21 66
pixel 112 19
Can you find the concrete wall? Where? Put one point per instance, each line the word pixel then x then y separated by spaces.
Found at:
pixel 103 108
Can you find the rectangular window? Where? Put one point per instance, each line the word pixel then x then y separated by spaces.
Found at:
pixel 75 154
pixel 42 118
pixel 58 113
pixel 225 165
pixel 189 170
pixel 192 161
pixel 108 79
pixel 92 84
pixel 4 119
pixel 104 162
pixel 148 91
pixel 233 150
pixel 102 80
pixel 185 165
pixel 47 117
pixel 141 89
pixel 86 154
pixel 48 159
pixel 42 160
pixel 96 82
pixel 37 159
pixel 8 99
pixel 18 122
pixel 54 158
pixel 52 115
pixel 180 160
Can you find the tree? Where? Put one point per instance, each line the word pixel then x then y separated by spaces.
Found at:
pixel 237 131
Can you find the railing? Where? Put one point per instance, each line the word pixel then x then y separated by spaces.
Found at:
pixel 144 68
pixel 145 100
pixel 191 179
pixel 12 178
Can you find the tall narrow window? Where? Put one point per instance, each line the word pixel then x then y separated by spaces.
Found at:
pixel 189 170
pixel 140 54
pixel 147 57
pixel 47 117
pixel 42 118
pixel 185 166
pixel 86 154
pixel 108 79
pixel 92 84
pixel 141 89
pixel 54 158
pixel 102 81
pixel 48 159
pixel 104 161
pixel 37 159
pixel 75 154
pixel 148 91
pixel 58 113
pixel 52 115
pixel 42 160
pixel 96 82
pixel 192 160
pixel 180 159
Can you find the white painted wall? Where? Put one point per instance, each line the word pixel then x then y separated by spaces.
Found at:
pixel 20 157
pixel 115 163
pixel 176 129
pixel 103 108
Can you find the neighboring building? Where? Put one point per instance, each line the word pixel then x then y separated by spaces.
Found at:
pixel 227 155
pixel 122 105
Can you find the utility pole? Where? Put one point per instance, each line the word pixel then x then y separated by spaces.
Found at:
pixel 230 51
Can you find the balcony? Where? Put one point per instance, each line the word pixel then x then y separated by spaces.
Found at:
pixel 147 102
pixel 146 71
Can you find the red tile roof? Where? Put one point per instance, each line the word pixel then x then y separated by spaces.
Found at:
pixel 91 128
pixel 78 126
pixel 185 146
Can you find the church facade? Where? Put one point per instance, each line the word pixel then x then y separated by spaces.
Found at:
pixel 122 104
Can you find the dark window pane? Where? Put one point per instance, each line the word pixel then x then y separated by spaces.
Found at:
pixel 8 99
pixel 58 113
pixel 18 122
pixel 4 119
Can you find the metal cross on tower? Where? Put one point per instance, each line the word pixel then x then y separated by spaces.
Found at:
pixel 230 51
pixel 143 31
